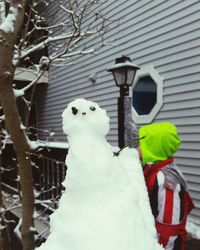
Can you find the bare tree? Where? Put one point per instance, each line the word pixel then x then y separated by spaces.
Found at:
pixel 8 35
pixel 26 31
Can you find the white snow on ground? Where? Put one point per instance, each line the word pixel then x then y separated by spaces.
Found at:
pixel 105 205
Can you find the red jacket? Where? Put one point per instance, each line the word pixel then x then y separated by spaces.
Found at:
pixel 170 203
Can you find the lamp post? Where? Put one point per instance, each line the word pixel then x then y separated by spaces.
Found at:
pixel 124 73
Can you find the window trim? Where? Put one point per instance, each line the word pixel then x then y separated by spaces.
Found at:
pixel 149 71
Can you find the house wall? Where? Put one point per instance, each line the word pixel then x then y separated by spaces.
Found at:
pixel 163 34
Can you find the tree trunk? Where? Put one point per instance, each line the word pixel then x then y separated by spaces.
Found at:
pixel 25 170
pixel 13 122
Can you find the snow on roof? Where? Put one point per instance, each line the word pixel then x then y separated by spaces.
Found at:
pixel 23 74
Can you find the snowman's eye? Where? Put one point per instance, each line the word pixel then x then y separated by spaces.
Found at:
pixel 92 108
pixel 74 110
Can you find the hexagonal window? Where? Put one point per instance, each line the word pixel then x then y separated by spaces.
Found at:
pixel 147 93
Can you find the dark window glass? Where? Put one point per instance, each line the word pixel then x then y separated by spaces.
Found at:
pixel 144 95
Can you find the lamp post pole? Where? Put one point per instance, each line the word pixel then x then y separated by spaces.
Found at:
pixel 124 73
pixel 122 112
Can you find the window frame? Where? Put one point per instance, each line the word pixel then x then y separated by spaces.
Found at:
pixel 149 71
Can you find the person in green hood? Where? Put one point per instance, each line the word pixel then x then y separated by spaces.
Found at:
pixel 168 194
pixel 160 141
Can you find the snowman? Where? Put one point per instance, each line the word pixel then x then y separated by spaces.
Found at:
pixel 105 205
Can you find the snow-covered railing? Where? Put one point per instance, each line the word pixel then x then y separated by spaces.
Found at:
pixel 48 172
pixel 48 180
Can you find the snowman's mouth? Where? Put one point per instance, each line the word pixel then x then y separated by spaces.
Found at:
pixel 84 113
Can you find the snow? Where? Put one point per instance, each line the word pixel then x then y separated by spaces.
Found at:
pixel 17 229
pixel 2 11
pixel 48 144
pixel 32 229
pixel 8 24
pixel 18 92
pixel 193 229
pixel 105 205
pixel 46 42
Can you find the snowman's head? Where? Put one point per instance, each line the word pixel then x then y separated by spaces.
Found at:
pixel 83 116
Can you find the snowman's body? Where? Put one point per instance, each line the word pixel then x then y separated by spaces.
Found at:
pixel 105 205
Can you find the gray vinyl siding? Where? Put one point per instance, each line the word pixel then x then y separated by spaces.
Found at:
pixel 161 33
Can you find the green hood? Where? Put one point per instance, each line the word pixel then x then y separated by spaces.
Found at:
pixel 160 141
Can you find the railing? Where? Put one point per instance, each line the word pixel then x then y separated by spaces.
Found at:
pixel 49 171
pixel 48 174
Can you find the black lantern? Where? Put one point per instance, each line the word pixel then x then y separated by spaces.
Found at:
pixel 124 73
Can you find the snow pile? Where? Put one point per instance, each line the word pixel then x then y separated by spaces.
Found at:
pixel 105 205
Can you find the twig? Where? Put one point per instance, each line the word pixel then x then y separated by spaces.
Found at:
pixel 128 144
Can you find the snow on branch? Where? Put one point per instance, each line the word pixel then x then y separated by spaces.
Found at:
pixel 45 43
pixel 59 25
pixel 17 229
pixel 52 39
pixel 77 16
pixel 81 20
pixel 67 10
